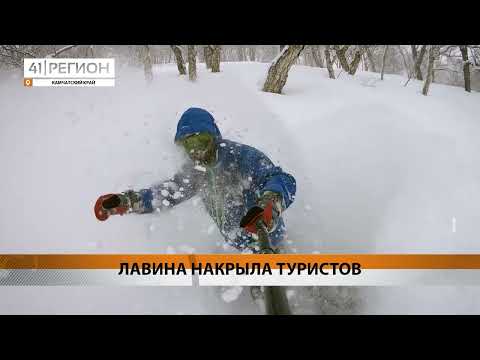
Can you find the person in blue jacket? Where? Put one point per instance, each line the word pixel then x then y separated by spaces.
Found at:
pixel 230 177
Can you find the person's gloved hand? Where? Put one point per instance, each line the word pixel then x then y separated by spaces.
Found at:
pixel 111 204
pixel 118 204
pixel 265 214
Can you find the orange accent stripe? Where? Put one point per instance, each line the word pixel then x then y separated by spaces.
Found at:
pixel 113 261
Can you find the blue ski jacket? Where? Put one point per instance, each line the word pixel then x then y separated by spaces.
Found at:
pixel 229 187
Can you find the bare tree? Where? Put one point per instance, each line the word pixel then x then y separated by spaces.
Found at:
pixel 341 52
pixel 317 56
pixel 475 51
pixel 89 51
pixel 414 54
pixel 192 63
pixel 240 53
pixel 466 67
pixel 342 58
pixel 328 60
pixel 418 59
pixel 370 58
pixel 365 62
pixel 383 61
pixel 355 62
pixel 405 63
pixel 278 71
pixel 13 55
pixel 252 53
pixel 431 59
pixel 179 59
pixel 207 54
pixel 215 57
pixel 147 64
pixel 10 57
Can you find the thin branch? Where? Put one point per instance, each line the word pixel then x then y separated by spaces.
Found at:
pixel 472 54
pixel 447 69
pixel 9 54
pixel 59 51
pixel 14 50
pixel 448 48
pixel 21 51
pixel 409 77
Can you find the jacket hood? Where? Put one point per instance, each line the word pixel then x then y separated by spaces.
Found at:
pixel 196 120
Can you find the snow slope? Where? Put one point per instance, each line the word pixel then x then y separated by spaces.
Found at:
pixel 379 168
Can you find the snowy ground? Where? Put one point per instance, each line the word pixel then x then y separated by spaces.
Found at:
pixel 379 168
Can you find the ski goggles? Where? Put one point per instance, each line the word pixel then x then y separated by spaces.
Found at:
pixel 197 142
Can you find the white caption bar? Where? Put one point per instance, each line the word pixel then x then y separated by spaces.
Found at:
pixel 368 277
pixel 73 82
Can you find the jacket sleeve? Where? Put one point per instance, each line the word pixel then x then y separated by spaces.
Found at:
pixel 168 193
pixel 265 176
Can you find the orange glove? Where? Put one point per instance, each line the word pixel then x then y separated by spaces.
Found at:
pixel 111 204
pixel 264 214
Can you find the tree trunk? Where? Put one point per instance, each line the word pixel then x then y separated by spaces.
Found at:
pixel 383 61
pixel 252 53
pixel 405 64
pixel 328 60
pixel 475 55
pixel 365 62
pixel 147 64
pixel 305 58
pixel 466 67
pixel 414 53
pixel 278 71
pixel 179 59
pixel 200 55
pixel 215 57
pixel 418 63
pixel 240 54
pixel 317 57
pixel 207 54
pixel 355 62
pixel 192 63
pixel 371 59
pixel 321 61
pixel 428 79
pixel 88 51
pixel 341 56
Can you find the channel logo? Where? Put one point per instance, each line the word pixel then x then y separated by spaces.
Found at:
pixel 51 72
